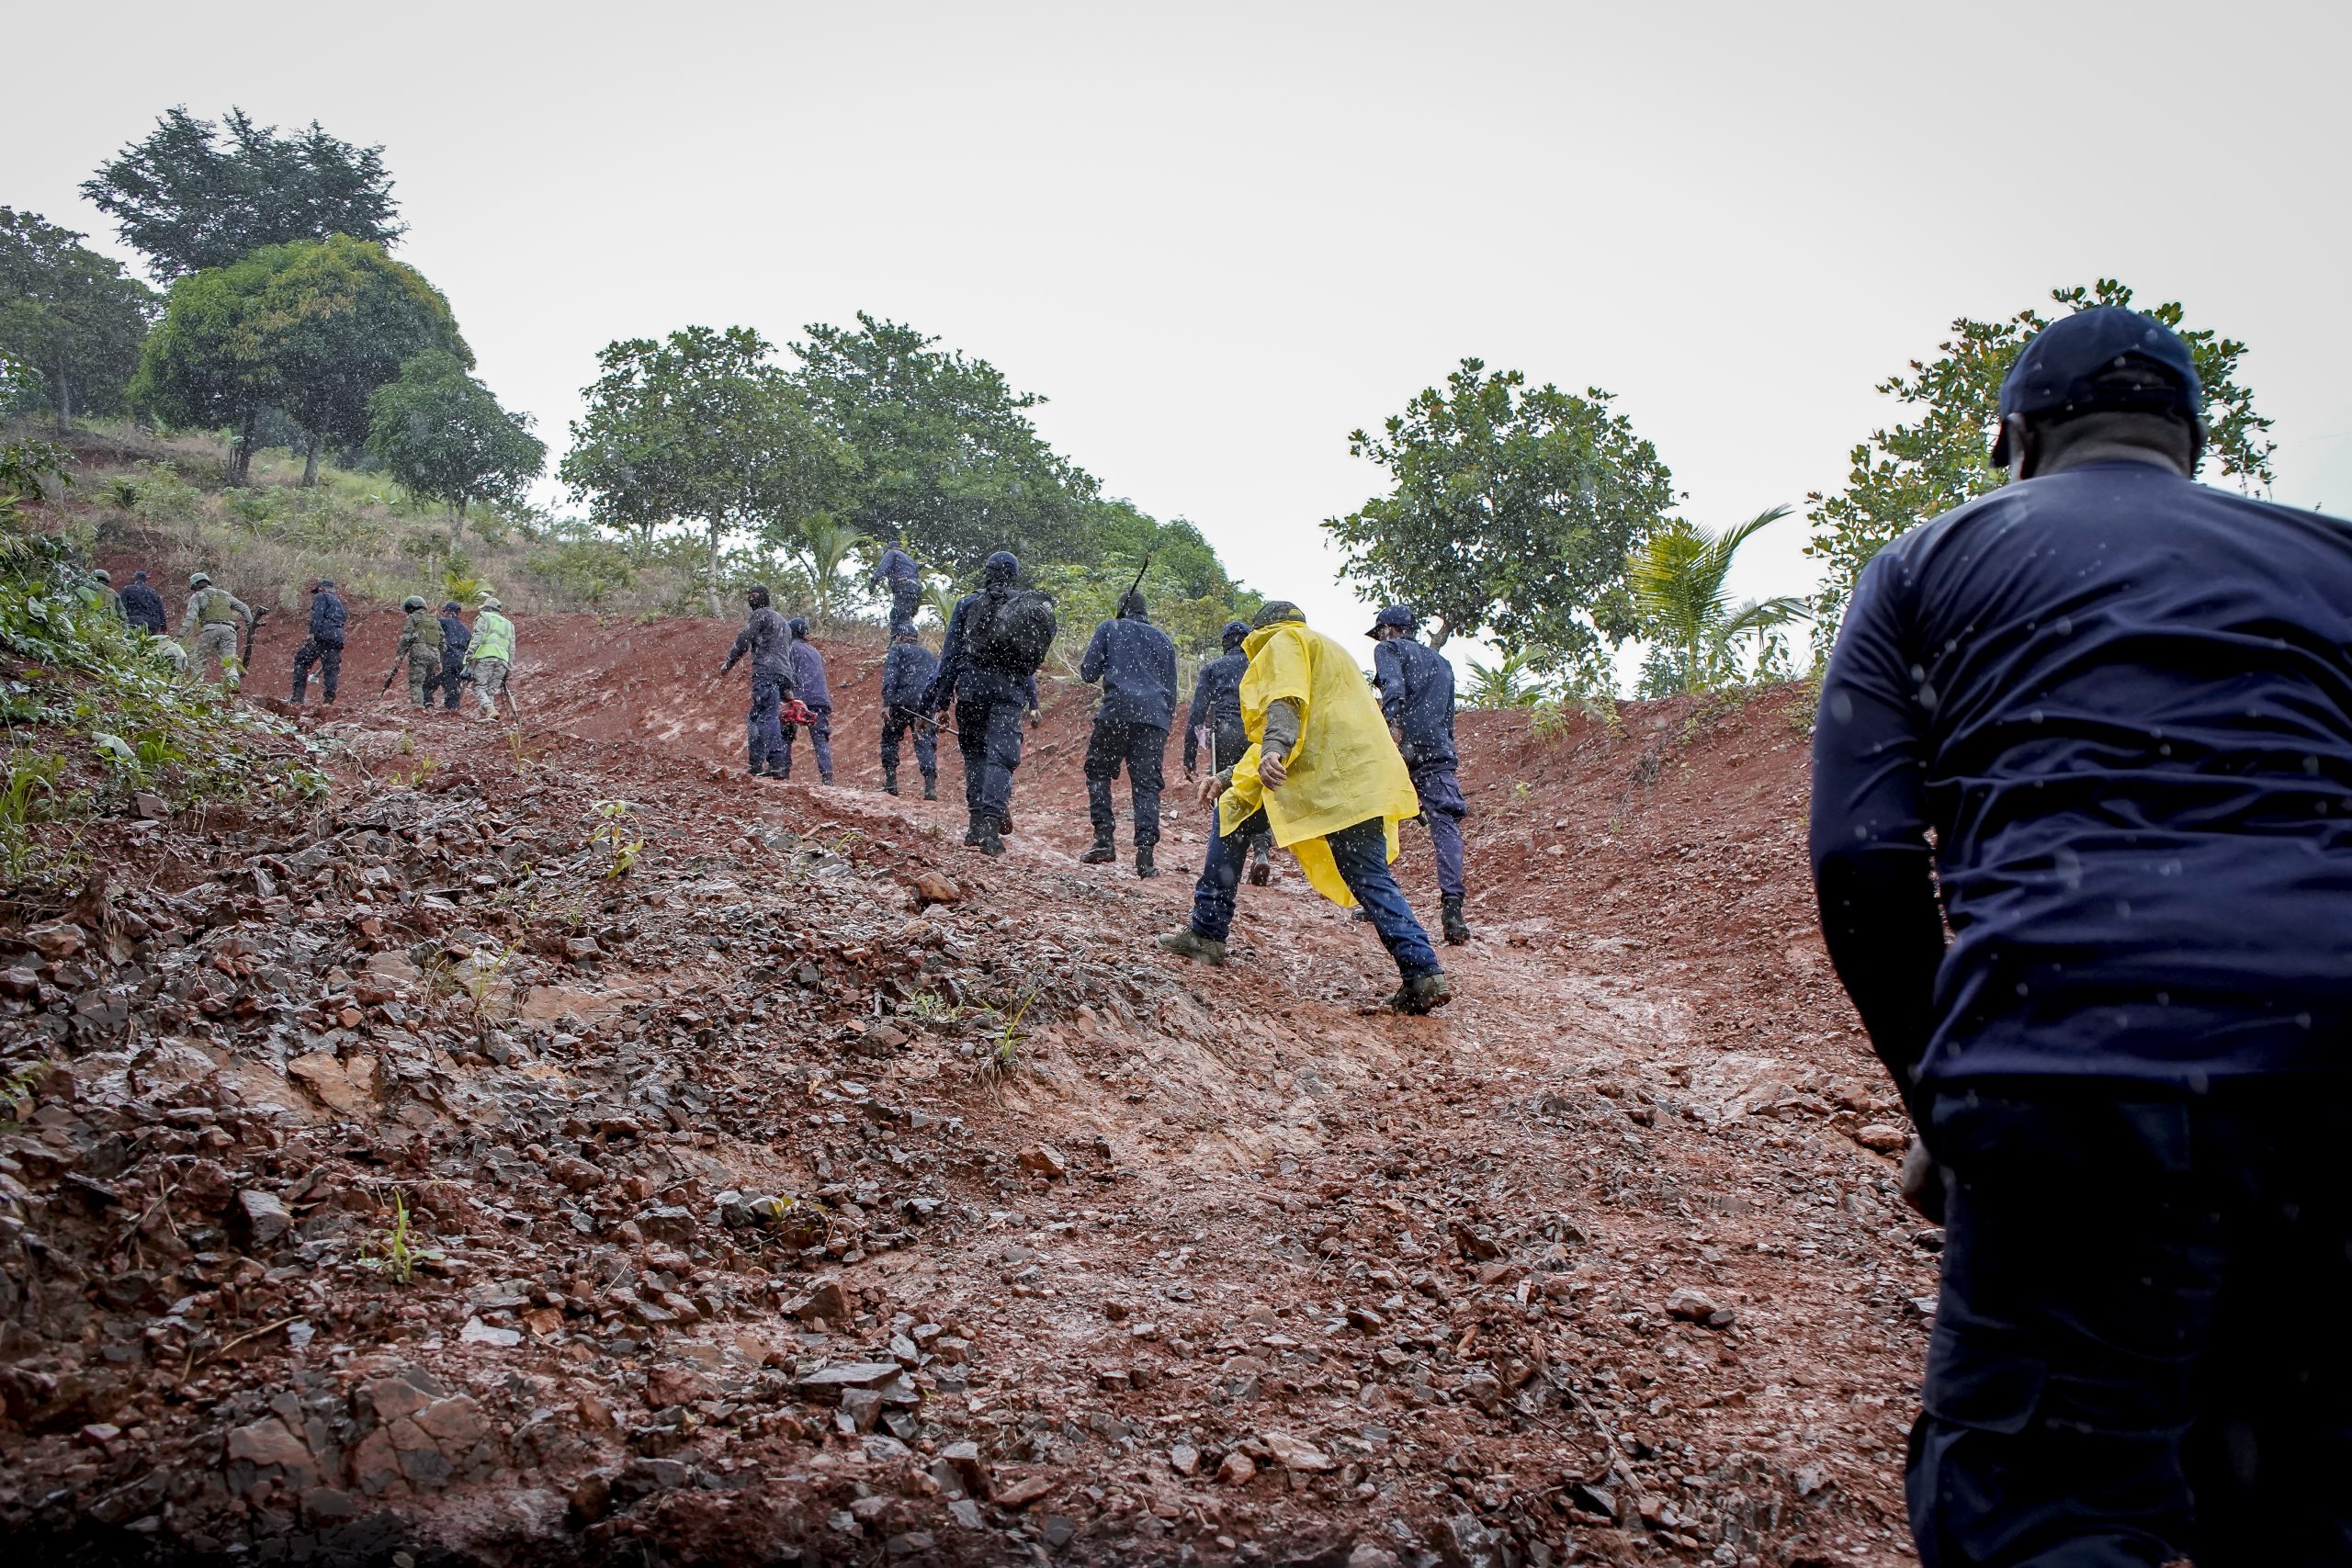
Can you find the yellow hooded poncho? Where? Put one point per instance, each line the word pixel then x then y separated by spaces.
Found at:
pixel 1344 769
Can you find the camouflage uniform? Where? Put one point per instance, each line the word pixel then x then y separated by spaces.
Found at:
pixel 420 640
pixel 216 614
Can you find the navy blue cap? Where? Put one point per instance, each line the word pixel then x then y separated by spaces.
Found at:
pixel 797 627
pixel 1393 615
pixel 1235 633
pixel 2058 371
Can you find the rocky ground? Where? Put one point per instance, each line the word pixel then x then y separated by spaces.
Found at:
pixel 471 1168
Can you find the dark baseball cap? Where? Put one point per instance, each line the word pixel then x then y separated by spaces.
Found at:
pixel 1393 615
pixel 2058 371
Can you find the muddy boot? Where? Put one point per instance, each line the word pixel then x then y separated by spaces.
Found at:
pixel 931 786
pixel 1422 993
pixel 1143 861
pixel 1004 824
pixel 1186 942
pixel 1261 868
pixel 972 833
pixel 1458 930
pixel 825 780
pixel 987 840
pixel 889 781
pixel 1103 851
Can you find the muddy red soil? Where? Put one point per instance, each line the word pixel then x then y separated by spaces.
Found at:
pixel 774 1218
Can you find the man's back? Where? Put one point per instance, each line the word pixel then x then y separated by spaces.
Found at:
pixel 907 672
pixel 1135 661
pixel 2123 703
pixel 1417 695
pixel 1217 693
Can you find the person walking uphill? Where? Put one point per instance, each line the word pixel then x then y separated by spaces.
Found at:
pixel 808 684
pixel 491 657
pixel 142 605
pixel 420 644
pixel 1325 776
pixel 324 645
pixel 997 637
pixel 898 570
pixel 2121 703
pixel 216 614
pixel 1416 685
pixel 454 637
pixel 1215 708
pixel 766 639
pixel 1135 661
pixel 907 672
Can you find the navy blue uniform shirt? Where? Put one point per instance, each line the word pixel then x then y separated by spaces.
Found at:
pixel 454 637
pixel 1137 664
pixel 1417 695
pixel 809 677
pixel 328 619
pixel 907 672
pixel 1216 701
pixel 959 678
pixel 2122 703
pixel 765 638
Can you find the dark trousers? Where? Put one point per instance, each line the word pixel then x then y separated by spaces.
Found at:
pixel 1443 810
pixel 906 598
pixel 2137 1355
pixel 988 734
pixel 762 732
pixel 449 681
pixel 327 656
pixel 1362 852
pixel 926 741
pixel 820 741
pixel 1142 749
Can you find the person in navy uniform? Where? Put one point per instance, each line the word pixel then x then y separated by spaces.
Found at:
pixel 2105 715
pixel 1416 685
pixel 1135 661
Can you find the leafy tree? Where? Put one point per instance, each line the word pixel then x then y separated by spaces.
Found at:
pixel 951 462
pixel 1185 585
pixel 72 313
pixel 194 194
pixel 1677 576
pixel 826 546
pixel 1509 513
pixel 701 428
pixel 1943 458
pixel 441 433
pixel 313 328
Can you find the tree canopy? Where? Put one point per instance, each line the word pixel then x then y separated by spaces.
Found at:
pixel 312 328
pixel 193 195
pixel 71 313
pixel 1509 513
pixel 951 462
pixel 441 433
pixel 1942 458
pixel 702 427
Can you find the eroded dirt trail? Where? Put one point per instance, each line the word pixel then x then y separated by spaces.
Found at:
pixel 765 1229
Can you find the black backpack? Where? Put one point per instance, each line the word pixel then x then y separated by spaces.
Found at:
pixel 1010 631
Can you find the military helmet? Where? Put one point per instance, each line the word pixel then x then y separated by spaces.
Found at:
pixel 102 575
pixel 490 602
pixel 414 602
pixel 200 579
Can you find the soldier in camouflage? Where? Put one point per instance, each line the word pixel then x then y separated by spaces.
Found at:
pixel 421 645
pixel 216 614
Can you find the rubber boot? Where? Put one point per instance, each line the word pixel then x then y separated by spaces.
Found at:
pixel 1458 930
pixel 972 833
pixel 1421 994
pixel 987 841
pixel 1004 824
pixel 931 786
pixel 1143 861
pixel 1103 851
pixel 825 779
pixel 1261 868
pixel 889 781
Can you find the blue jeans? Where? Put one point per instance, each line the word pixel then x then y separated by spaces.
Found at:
pixel 1362 852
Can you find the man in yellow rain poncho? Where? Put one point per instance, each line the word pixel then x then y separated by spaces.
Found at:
pixel 1324 775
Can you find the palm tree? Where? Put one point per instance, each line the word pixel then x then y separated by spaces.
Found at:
pixel 827 545
pixel 1506 684
pixel 1677 576
pixel 941 595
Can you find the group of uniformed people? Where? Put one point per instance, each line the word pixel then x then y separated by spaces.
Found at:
pixel 1302 753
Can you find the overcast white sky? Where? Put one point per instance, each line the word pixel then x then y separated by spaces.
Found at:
pixel 1218 237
